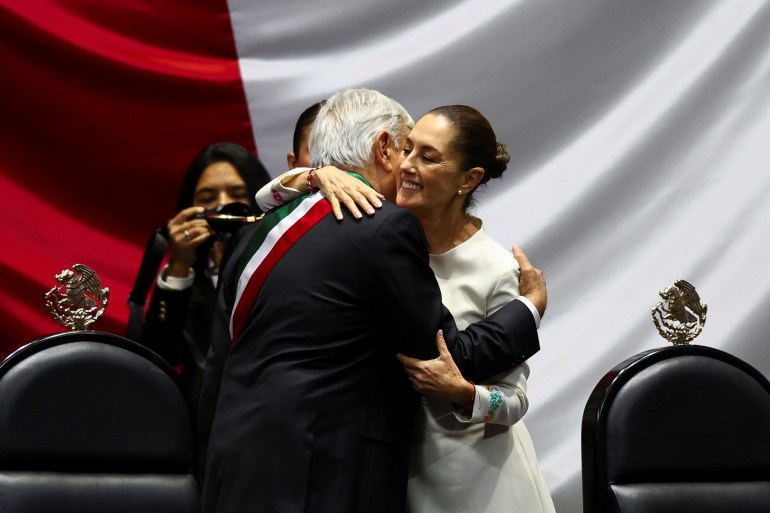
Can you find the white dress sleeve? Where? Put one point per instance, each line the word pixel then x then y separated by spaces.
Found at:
pixel 503 399
pixel 275 193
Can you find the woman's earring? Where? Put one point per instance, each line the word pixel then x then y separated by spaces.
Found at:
pixel 459 192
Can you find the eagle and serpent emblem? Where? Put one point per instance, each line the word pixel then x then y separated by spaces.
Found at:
pixel 680 316
pixel 79 299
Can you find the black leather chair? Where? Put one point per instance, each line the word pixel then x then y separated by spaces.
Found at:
pixel 93 422
pixel 678 429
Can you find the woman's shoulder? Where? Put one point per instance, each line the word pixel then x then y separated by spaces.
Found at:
pixel 489 248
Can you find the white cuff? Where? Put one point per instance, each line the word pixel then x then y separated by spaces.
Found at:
pixel 275 193
pixel 532 309
pixel 174 283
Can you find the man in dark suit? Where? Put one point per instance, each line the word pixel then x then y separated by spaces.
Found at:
pixel 306 406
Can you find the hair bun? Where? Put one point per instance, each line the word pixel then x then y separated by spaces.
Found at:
pixel 502 158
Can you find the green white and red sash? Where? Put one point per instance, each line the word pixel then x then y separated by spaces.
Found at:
pixel 276 234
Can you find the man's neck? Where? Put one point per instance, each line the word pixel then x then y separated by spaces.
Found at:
pixel 368 174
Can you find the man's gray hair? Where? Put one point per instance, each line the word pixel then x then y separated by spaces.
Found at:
pixel 344 130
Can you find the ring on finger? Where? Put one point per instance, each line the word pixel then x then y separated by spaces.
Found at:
pixel 187 235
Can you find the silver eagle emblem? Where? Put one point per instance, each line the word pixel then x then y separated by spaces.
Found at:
pixel 79 299
pixel 680 316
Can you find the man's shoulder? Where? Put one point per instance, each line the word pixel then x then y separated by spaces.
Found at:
pixel 389 220
pixel 390 212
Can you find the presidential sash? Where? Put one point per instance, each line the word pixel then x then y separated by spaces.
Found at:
pixel 275 235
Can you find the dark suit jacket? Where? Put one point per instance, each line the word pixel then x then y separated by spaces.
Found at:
pixel 310 411
pixel 177 326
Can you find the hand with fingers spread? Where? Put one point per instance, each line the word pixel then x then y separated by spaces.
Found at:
pixel 531 281
pixel 340 187
pixel 439 377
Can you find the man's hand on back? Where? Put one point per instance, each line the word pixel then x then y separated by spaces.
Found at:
pixel 531 281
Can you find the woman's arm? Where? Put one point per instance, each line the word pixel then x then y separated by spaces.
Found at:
pixel 166 317
pixel 337 186
pixel 279 191
pixel 502 401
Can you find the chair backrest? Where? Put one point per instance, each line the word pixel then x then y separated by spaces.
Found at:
pixel 93 422
pixel 678 429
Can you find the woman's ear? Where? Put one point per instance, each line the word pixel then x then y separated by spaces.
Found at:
pixel 291 160
pixel 472 178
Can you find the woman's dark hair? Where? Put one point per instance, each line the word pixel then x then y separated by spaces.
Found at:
pixel 475 140
pixel 305 121
pixel 245 163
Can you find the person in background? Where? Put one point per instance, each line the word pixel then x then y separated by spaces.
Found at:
pixel 177 324
pixel 299 156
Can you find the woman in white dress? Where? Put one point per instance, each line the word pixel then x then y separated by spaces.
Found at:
pixel 471 451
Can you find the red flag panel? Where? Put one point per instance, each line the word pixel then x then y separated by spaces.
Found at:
pixel 102 107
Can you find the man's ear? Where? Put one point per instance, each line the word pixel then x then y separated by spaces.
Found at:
pixel 291 160
pixel 382 149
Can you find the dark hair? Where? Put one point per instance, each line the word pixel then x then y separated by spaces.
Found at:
pixel 476 141
pixel 245 163
pixel 305 121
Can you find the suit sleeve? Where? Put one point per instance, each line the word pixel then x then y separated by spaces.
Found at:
pixel 164 323
pixel 497 344
pixel 414 309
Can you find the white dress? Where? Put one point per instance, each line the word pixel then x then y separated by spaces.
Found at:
pixel 485 461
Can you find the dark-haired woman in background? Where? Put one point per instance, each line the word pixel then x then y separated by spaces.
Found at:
pixel 177 324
